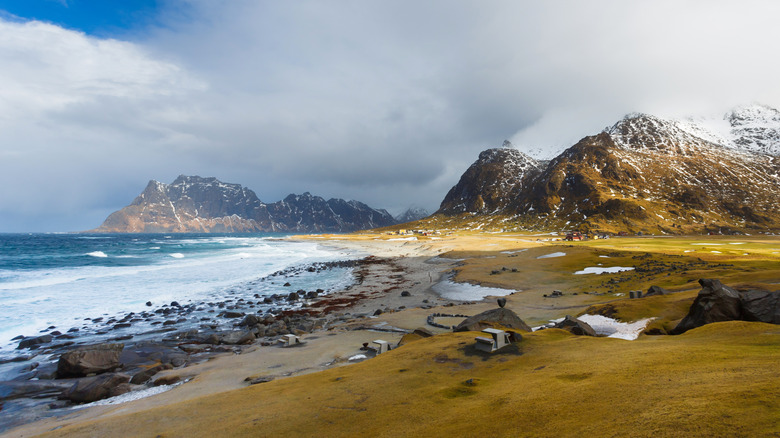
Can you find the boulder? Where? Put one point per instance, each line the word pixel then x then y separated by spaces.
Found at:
pixel 90 359
pixel 715 302
pixel 575 326
pixel 34 342
pixel 656 290
pixel 495 317
pixel 238 338
pixel 144 376
pixel 166 380
pixel 761 305
pixel 249 320
pixel 95 388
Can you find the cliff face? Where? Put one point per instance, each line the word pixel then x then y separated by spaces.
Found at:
pixel 642 174
pixel 195 204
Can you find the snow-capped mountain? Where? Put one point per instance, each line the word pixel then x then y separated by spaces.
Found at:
pixel 412 214
pixel 485 185
pixel 644 173
pixel 751 128
pixel 195 204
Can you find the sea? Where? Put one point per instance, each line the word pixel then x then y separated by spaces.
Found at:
pixel 64 282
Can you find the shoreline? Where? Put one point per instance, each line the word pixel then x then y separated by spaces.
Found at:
pixel 374 308
pixel 350 322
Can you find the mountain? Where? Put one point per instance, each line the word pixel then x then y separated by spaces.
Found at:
pixel 412 214
pixel 498 174
pixel 643 173
pixel 196 204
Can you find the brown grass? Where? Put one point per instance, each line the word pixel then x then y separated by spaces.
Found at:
pixel 718 380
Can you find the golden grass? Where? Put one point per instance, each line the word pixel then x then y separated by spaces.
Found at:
pixel 718 380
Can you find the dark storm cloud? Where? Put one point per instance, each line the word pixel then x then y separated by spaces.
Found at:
pixel 384 102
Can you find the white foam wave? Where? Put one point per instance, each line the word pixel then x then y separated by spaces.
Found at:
pixel 130 396
pixel 99 254
pixel 177 255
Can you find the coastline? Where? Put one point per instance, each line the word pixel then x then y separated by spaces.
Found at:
pixel 393 267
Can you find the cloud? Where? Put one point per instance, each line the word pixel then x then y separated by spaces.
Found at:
pixel 384 102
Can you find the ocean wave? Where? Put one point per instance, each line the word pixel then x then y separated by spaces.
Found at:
pixel 100 254
pixel 177 255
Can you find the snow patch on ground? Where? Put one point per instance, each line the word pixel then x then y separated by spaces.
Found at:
pixel 552 255
pixel 467 292
pixel 613 328
pixel 601 270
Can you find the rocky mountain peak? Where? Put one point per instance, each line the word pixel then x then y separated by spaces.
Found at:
pixel 644 132
pixel 488 181
pixel 412 214
pixel 198 204
pixel 755 128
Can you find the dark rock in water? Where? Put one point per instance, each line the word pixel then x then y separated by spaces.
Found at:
pixel 175 304
pixel 293 296
pixel 406 293
pixel 311 295
pixel 34 342
pixel 761 305
pixel 575 326
pixel 656 290
pixel 229 314
pixel 16 338
pixel 714 303
pixel 491 318
pixel 32 388
pixel 90 359
pixel 378 312
pixel 501 302
pixel 149 304
pixel 96 388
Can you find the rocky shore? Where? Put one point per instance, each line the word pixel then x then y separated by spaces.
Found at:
pixel 56 371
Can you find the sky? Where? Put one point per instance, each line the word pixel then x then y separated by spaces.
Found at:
pixel 385 102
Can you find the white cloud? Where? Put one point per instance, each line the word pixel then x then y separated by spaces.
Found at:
pixel 384 102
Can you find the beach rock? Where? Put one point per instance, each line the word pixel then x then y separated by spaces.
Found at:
pixel 422 332
pixel 761 305
pixel 715 302
pixel 495 317
pixel 32 388
pixel 95 388
pixel 256 380
pixel 575 326
pixel 238 338
pixel 90 359
pixel 228 314
pixel 249 320
pixel 144 376
pixel 501 302
pixel 166 380
pixel 406 293
pixel 34 342
pixel 149 304
pixel 656 290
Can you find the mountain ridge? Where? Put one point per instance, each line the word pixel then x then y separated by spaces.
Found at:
pixel 206 204
pixel 643 173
